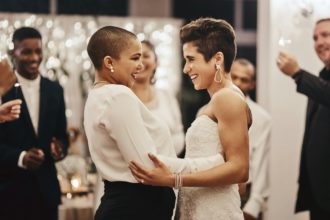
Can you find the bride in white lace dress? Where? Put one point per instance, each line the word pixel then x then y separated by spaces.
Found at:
pixel 218 202
pixel 209 48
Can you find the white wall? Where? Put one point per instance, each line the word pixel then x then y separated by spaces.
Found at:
pixel 277 93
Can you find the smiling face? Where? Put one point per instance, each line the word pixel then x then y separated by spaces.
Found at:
pixel 127 66
pixel 27 55
pixel 200 72
pixel 149 62
pixel 322 41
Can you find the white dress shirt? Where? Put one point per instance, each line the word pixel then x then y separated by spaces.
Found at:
pixel 119 129
pixel 259 135
pixel 31 93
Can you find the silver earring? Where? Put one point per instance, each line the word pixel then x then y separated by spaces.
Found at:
pixel 218 68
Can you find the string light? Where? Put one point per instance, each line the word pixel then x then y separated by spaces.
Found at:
pixel 65 57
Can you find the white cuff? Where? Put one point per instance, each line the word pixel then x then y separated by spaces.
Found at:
pixel 20 160
pixel 254 206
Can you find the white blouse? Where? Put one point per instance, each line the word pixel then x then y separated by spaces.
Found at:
pixel 119 129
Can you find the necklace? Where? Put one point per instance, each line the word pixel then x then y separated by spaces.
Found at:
pixel 100 82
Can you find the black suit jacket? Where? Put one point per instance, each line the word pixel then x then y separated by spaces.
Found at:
pixel 17 185
pixel 314 178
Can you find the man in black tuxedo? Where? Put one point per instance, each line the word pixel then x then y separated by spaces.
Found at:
pixel 314 178
pixel 29 146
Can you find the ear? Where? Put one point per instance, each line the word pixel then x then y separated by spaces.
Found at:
pixel 219 57
pixel 107 62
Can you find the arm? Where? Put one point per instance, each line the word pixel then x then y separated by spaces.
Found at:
pixel 13 158
pixel 231 113
pixel 9 155
pixel 59 144
pixel 260 167
pixel 122 119
pixel 312 86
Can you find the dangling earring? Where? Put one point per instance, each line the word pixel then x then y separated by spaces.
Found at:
pixel 218 68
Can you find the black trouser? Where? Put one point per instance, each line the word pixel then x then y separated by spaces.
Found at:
pixel 126 201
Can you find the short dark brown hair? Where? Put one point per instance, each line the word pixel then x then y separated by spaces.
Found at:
pixel 210 36
pixel 108 41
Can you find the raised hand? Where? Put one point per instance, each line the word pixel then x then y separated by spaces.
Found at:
pixel 57 149
pixel 159 176
pixel 33 158
pixel 287 63
pixel 10 110
pixel 7 76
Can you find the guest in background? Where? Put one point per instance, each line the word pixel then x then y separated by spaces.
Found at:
pixel 161 102
pixel 314 178
pixel 257 189
pixel 29 146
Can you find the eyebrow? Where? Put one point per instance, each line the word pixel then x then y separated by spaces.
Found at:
pixel 189 57
pixel 137 54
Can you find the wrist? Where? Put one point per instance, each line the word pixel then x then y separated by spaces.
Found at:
pixel 178 183
pixel 172 180
pixel 295 73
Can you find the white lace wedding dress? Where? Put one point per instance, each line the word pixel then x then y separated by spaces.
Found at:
pixel 209 203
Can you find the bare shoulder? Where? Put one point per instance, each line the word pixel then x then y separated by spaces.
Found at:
pixel 228 103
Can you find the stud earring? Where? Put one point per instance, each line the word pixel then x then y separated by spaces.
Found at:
pixel 111 68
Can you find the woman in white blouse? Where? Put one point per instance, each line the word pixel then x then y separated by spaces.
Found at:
pixel 119 129
pixel 158 101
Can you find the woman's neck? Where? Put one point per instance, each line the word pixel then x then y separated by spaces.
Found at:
pixel 215 86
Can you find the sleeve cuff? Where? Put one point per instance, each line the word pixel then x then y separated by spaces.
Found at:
pixel 253 207
pixel 20 160
pixel 297 75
